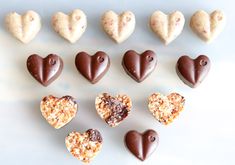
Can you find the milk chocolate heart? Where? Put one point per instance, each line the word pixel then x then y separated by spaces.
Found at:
pixel 93 68
pixel 139 66
pixel 167 27
pixel 206 26
pixel 193 71
pixel 166 108
pixel 118 27
pixel 45 70
pixel 84 146
pixel 142 145
pixel 24 27
pixel 113 110
pixel 58 111
pixel 72 26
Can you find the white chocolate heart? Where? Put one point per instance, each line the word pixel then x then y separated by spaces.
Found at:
pixel 167 27
pixel 118 27
pixel 24 27
pixel 72 26
pixel 206 26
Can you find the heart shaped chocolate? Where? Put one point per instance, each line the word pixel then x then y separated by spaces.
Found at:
pixel 166 108
pixel 208 26
pixel 193 71
pixel 24 27
pixel 58 111
pixel 93 68
pixel 45 70
pixel 118 27
pixel 113 110
pixel 142 145
pixel 167 27
pixel 70 27
pixel 84 146
pixel 139 66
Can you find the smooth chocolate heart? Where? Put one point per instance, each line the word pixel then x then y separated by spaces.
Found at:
pixel 142 145
pixel 139 66
pixel 93 68
pixel 45 70
pixel 193 71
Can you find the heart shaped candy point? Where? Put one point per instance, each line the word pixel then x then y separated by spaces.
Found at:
pixel 208 26
pixel 142 145
pixel 166 108
pixel 84 146
pixel 70 27
pixel 193 71
pixel 167 27
pixel 58 111
pixel 139 66
pixel 45 70
pixel 93 68
pixel 25 27
pixel 113 110
pixel 118 27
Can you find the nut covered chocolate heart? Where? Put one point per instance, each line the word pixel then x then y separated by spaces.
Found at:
pixel 84 146
pixel 166 108
pixel 208 26
pixel 93 68
pixel 142 145
pixel 193 71
pixel 58 111
pixel 45 70
pixel 139 66
pixel 111 109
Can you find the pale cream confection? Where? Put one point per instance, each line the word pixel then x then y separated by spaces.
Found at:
pixel 72 26
pixel 58 111
pixel 113 110
pixel 23 27
pixel 166 108
pixel 167 27
pixel 208 26
pixel 118 27
pixel 84 146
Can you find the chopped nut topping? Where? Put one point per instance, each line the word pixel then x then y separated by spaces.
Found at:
pixel 166 108
pixel 84 146
pixel 58 111
pixel 113 109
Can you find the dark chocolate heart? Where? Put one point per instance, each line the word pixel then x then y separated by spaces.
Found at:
pixel 45 70
pixel 142 145
pixel 193 71
pixel 139 66
pixel 93 68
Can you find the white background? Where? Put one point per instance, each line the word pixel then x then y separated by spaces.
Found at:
pixel 203 134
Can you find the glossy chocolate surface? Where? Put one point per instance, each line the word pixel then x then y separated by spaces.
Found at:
pixel 45 70
pixel 139 66
pixel 93 68
pixel 193 71
pixel 142 145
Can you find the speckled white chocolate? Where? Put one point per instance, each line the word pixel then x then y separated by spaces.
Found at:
pixel 72 26
pixel 208 26
pixel 167 27
pixel 118 27
pixel 24 27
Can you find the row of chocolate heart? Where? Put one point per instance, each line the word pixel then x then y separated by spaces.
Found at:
pixel 113 110
pixel 118 27
pixel 138 66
